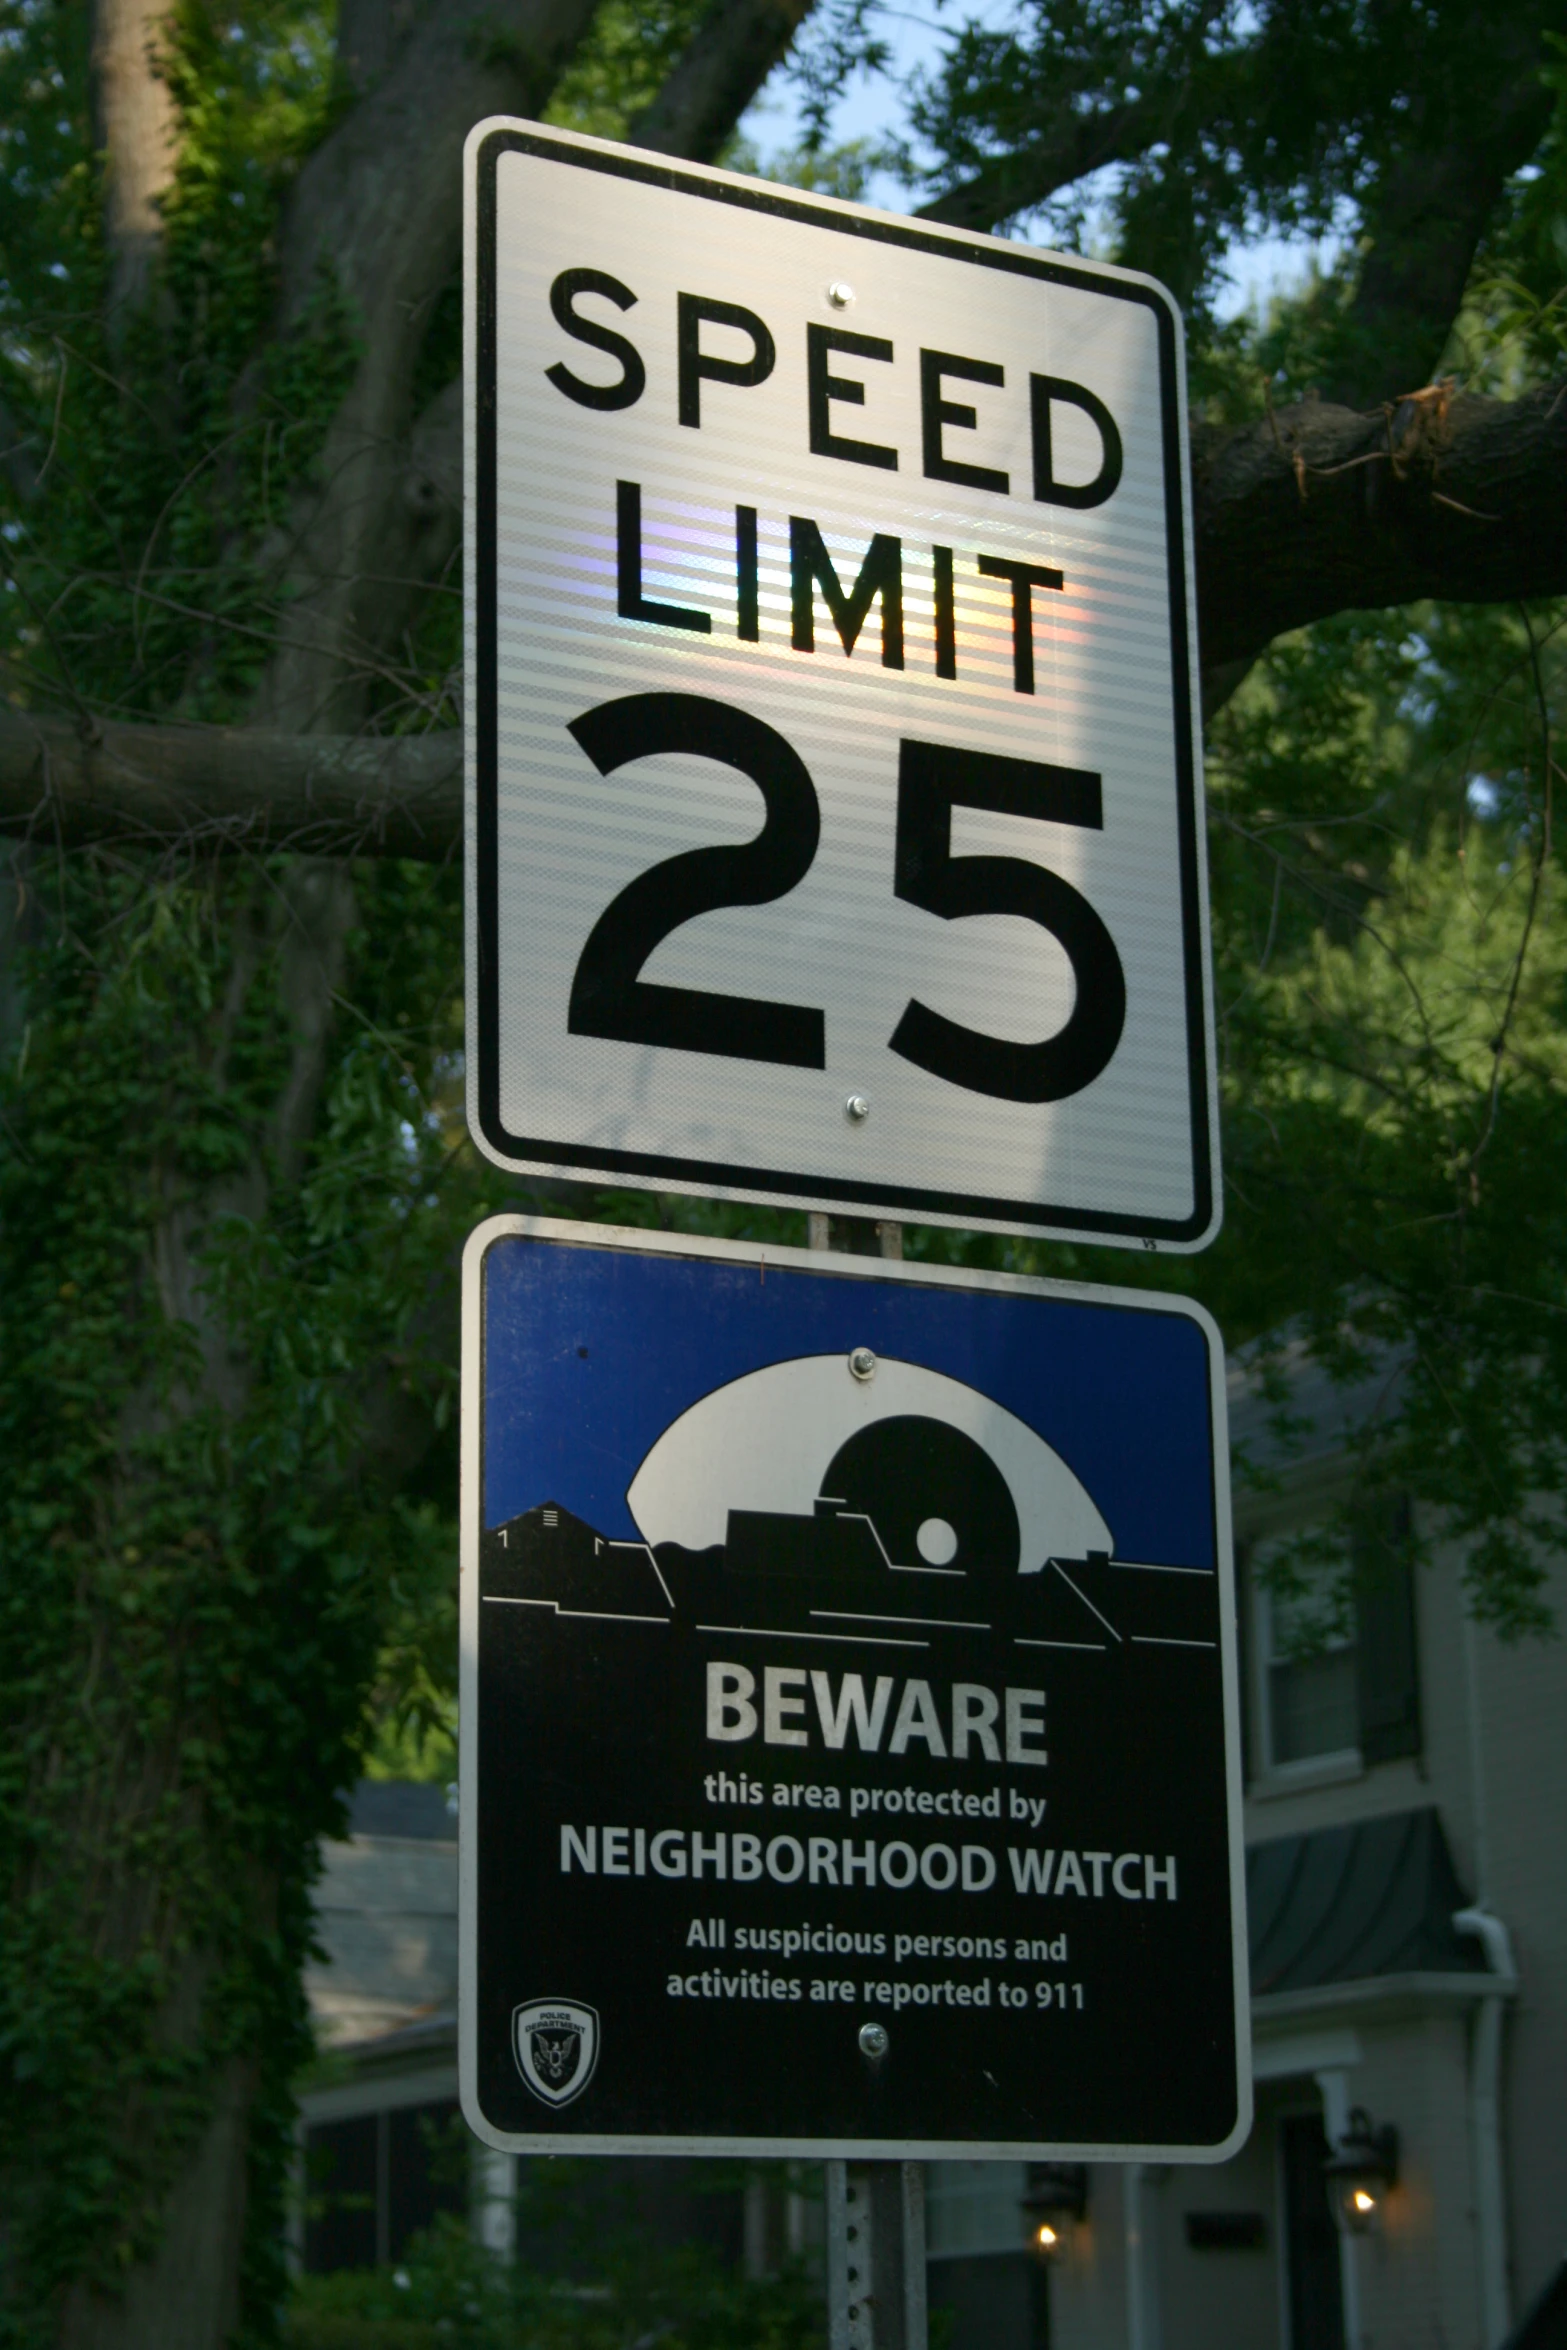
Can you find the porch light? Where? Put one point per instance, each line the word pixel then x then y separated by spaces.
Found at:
pixel 1360 2170
pixel 1056 2196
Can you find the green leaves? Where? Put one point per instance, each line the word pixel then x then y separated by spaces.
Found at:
pixel 621 66
pixel 596 2281
pixel 1391 969
pixel 1390 977
pixel 1221 121
pixel 197 1573
pixel 148 463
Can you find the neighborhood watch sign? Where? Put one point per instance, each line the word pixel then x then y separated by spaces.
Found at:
pixel 820 1618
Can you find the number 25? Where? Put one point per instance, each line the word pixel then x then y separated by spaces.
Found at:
pixel 610 998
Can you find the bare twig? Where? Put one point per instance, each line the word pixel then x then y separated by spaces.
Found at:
pixel 1536 884
pixel 54 434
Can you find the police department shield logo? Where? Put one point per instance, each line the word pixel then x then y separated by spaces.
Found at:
pixel 556 2044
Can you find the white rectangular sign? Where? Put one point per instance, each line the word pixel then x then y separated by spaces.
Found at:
pixel 834 800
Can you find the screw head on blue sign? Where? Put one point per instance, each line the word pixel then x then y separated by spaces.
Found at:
pixel 835 829
pixel 844 1644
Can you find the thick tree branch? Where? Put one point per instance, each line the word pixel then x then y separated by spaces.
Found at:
pixel 377 211
pixel 1425 215
pixel 725 63
pixel 1061 144
pixel 376 215
pixel 370 34
pixel 1317 510
pixel 1432 213
pixel 1324 509
pixel 1028 176
pixel 236 788
pixel 379 204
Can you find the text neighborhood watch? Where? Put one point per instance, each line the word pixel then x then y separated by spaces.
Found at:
pixel 739 1856
pixel 742 1858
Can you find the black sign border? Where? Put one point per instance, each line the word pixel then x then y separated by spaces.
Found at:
pixel 1026 1216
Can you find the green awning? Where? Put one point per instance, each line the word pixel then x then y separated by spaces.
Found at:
pixel 1339 1905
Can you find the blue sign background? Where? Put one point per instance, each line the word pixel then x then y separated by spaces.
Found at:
pixel 591 1352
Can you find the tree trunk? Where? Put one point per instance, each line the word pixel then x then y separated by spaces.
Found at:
pixel 153 1899
pixel 187 2294
pixel 135 129
pixel 149 1878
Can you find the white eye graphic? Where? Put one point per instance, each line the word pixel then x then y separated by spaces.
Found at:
pixel 951 1480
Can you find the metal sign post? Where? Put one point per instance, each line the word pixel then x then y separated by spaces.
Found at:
pixel 849 1705
pixel 834 819
pixel 876 2280
pixel 876 2256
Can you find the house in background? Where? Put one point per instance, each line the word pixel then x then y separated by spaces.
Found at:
pixel 385 2010
pixel 1406 1830
pixel 382 2148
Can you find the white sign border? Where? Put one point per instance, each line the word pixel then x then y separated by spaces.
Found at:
pixel 711 1179
pixel 759 1255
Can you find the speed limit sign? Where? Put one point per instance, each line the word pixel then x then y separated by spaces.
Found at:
pixel 834 802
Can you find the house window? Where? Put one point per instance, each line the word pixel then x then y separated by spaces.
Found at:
pixel 1307 1629
pixel 990 2301
pixel 373 2180
pixel 974 2207
pixel 1333 1643
pixel 987 2290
